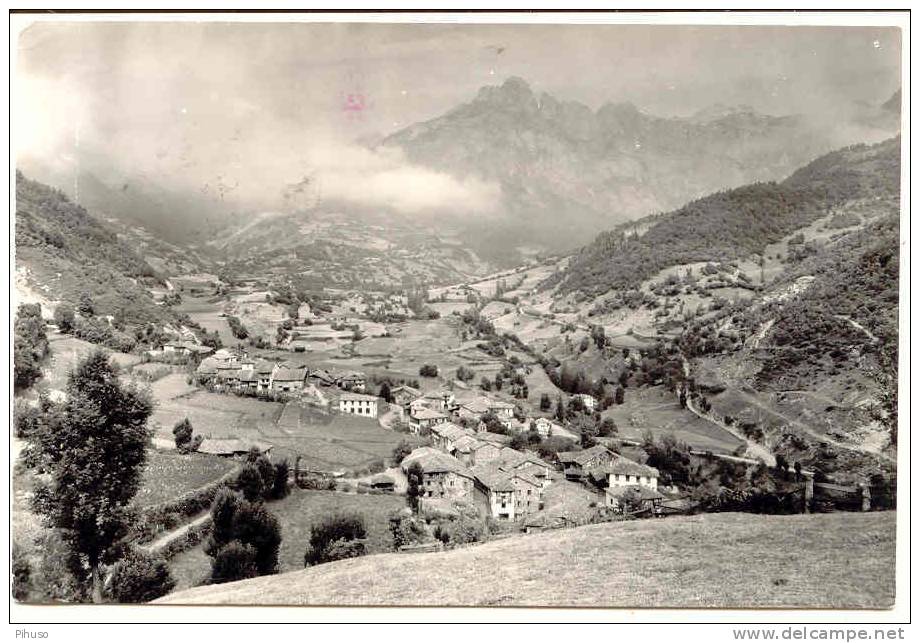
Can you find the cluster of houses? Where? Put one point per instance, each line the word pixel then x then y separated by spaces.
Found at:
pixel 629 484
pixel 425 411
pixel 480 467
pixel 509 485
pixel 229 370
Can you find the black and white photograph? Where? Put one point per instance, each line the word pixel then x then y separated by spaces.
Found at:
pixel 468 310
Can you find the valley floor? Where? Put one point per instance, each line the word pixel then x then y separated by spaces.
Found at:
pixel 840 560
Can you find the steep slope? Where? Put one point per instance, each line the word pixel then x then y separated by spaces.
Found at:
pixel 62 252
pixel 735 224
pixel 566 170
pixel 174 215
pixel 711 560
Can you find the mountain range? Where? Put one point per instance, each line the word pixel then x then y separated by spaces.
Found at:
pixel 567 171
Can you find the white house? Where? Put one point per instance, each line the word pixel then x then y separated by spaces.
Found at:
pixel 623 471
pixel 358 404
pixel 588 401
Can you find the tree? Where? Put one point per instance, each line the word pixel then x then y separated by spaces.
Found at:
pixel 329 536
pixel 255 526
pixel 280 488
pixel 401 450
pixel 560 409
pixel 607 427
pixel 223 508
pixel 267 475
pixel 599 336
pixel 428 370
pixel 485 384
pixel 249 481
pixel 234 561
pixel 545 402
pixel 85 305
pixel 245 539
pixel 620 395
pixel 493 424
pixel 64 317
pixel 414 477
pixel 465 374
pixel 183 434
pixel 95 450
pixel 30 345
pixel 139 577
pixel 385 392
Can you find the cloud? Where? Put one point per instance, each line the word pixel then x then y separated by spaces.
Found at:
pixel 384 179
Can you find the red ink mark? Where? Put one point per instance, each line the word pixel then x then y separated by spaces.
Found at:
pixel 354 103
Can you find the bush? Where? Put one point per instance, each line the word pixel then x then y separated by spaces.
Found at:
pixel 329 530
pixel 342 549
pixel 21 572
pixel 139 578
pixel 255 526
pixel 250 482
pixel 465 374
pixel 401 450
pixel 183 434
pixel 428 370
pixel 280 487
pixel 234 561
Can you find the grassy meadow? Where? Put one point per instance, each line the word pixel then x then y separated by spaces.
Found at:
pixel 839 560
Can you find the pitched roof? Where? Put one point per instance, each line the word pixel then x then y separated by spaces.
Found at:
pixel 465 443
pixel 514 458
pixel 498 439
pixel 208 366
pixel 426 414
pixel 583 456
pixel 479 405
pixel 357 397
pixel 434 461
pixel 289 374
pixel 450 431
pixel 624 466
pixel 492 477
pixel 405 389
pixel 352 376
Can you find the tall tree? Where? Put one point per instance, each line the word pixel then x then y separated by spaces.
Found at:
pixel 94 448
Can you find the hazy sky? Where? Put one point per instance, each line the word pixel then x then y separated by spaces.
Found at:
pixel 253 103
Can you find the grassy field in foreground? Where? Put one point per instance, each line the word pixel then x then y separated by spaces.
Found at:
pixel 840 560
pixel 297 513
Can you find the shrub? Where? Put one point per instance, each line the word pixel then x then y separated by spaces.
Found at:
pixel 250 482
pixel 64 317
pixel 21 572
pixel 183 434
pixel 255 526
pixel 340 526
pixel 280 487
pixel 139 578
pixel 342 549
pixel 401 450
pixel 234 561
pixel 428 370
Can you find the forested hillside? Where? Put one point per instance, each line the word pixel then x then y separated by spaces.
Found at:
pixel 737 223
pixel 64 253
